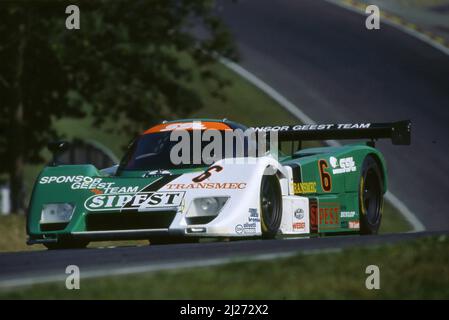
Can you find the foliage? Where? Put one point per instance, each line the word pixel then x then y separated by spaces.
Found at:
pixel 125 62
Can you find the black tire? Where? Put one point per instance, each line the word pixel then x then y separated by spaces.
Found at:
pixel 66 244
pixel 370 196
pixel 271 206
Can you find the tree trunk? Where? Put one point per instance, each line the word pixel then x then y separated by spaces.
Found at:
pixel 17 194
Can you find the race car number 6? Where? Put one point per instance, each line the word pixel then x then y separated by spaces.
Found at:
pixel 206 174
pixel 326 179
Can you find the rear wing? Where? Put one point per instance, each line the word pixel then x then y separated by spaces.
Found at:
pixel 398 132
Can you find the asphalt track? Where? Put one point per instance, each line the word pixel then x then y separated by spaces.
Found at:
pixel 323 59
pixel 25 268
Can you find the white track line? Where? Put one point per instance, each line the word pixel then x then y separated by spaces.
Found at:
pixel 304 118
pixel 419 35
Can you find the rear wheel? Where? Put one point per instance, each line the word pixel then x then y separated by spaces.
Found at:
pixel 271 206
pixel 370 196
pixel 66 244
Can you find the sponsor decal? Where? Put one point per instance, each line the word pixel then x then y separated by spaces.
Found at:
pixel 313 127
pixel 354 225
pixel 299 214
pixel 329 215
pixel 70 179
pixel 313 209
pixel 139 202
pixel 344 165
pixel 96 191
pixel 96 185
pixel 239 229
pixel 246 228
pixel 156 173
pixel 304 187
pixel 117 190
pixel 253 215
pixel 249 228
pixel 347 214
pixel 207 185
pixel 299 226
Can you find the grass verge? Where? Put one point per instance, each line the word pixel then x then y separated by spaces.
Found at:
pixel 413 270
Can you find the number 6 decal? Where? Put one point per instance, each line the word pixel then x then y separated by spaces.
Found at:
pixel 206 174
pixel 326 179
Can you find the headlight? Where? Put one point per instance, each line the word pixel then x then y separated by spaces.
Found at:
pixel 209 206
pixel 57 212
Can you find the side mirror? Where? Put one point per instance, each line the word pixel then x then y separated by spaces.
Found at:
pixel 57 148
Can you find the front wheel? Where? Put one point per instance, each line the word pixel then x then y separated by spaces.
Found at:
pixel 271 206
pixel 370 196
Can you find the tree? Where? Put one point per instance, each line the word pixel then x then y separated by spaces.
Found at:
pixel 127 61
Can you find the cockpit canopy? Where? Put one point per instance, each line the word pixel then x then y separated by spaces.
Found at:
pixel 160 146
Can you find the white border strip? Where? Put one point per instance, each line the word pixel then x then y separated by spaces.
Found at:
pixel 289 106
pixel 419 35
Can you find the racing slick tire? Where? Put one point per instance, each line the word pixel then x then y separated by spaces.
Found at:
pixel 66 244
pixel 370 196
pixel 271 206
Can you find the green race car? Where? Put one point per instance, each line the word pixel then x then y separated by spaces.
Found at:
pixel 177 183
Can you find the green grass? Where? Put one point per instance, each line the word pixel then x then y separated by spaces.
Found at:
pixel 393 221
pixel 413 270
pixel 244 103
pixel 13 233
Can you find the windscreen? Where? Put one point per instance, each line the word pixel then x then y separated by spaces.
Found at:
pixel 153 152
